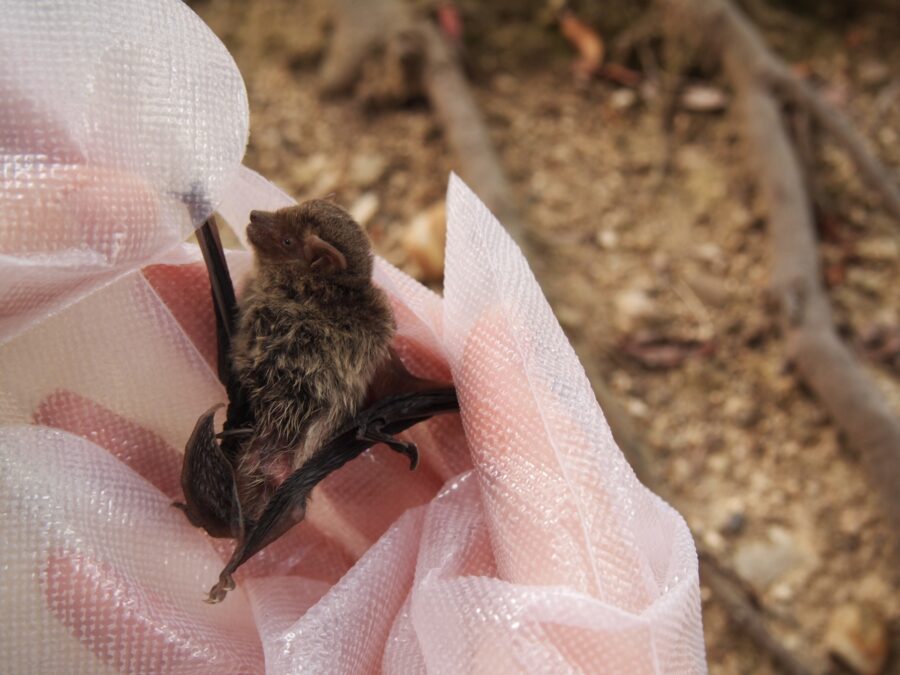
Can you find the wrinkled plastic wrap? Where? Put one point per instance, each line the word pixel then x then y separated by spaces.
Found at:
pixel 524 542
pixel 122 122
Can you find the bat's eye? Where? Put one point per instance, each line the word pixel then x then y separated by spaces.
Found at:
pixel 287 241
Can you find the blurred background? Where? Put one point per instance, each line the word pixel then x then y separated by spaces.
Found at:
pixel 612 143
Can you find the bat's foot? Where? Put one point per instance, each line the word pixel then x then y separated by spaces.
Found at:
pixel 394 443
pixel 218 592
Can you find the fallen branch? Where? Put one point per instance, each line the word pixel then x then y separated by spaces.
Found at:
pixel 822 359
pixel 453 103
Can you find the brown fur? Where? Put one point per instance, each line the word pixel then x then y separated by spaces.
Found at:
pixel 311 335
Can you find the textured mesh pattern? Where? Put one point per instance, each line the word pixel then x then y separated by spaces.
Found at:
pixel 523 543
pixel 122 123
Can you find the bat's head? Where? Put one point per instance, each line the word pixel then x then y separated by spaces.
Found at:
pixel 316 239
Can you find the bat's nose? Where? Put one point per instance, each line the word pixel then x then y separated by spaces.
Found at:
pixel 260 217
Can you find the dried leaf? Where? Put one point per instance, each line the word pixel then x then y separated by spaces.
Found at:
pixel 616 72
pixel 802 69
pixel 423 241
pixel 858 637
pixel 586 41
pixel 858 36
pixel 450 21
pixel 831 229
pixel 662 352
pixel 835 274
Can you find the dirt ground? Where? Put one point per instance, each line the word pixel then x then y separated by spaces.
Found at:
pixel 659 278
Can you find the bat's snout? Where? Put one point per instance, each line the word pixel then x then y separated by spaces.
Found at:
pixel 261 231
pixel 263 218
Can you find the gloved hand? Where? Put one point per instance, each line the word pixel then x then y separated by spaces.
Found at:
pixel 523 542
pixel 121 124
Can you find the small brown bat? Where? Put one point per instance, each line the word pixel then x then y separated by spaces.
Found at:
pixel 308 348
pixel 312 333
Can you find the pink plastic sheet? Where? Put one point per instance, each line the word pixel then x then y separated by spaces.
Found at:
pixel 524 542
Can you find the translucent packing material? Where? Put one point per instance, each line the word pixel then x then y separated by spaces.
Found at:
pixel 122 122
pixel 523 543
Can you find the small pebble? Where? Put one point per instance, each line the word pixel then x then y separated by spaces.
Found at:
pixel 703 98
pixel 735 524
pixel 366 169
pixel 762 562
pixel 622 99
pixel 607 239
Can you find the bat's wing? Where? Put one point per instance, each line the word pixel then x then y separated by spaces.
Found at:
pixel 224 301
pixel 207 474
pixel 207 480
pixel 287 507
pixel 226 311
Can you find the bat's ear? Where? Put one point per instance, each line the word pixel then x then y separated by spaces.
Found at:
pixel 322 256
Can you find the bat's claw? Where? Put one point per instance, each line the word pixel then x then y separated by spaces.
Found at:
pixel 411 451
pixel 218 592
pixel 215 596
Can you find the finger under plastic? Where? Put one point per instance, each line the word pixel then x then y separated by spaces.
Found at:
pixel 110 578
pixel 561 504
pixel 139 448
